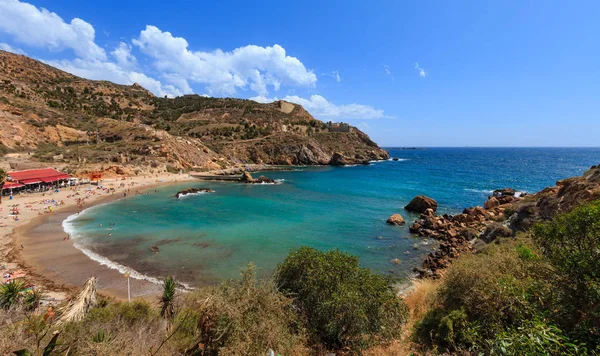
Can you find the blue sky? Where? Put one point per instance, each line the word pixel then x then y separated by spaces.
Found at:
pixel 422 73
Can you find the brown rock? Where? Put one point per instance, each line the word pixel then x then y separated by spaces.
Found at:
pixel 505 192
pixel 263 179
pixel 421 203
pixel 429 212
pixel 338 160
pixel 247 177
pixel 396 219
pixel 491 203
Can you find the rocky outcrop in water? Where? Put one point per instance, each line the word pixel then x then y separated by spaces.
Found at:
pixel 396 219
pixel 247 178
pixel 421 203
pixel 338 160
pixel 187 191
pixel 505 213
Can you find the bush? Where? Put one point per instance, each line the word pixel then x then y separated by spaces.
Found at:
pixel 241 317
pixel 342 304
pixel 571 242
pixel 524 296
pixel 485 295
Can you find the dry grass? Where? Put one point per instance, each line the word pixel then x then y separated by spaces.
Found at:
pixel 420 298
pixel 76 309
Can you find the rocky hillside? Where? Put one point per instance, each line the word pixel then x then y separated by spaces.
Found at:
pixel 58 117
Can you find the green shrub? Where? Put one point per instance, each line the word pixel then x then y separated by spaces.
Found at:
pixel 138 311
pixel 240 317
pixel 342 304
pixel 487 294
pixel 11 293
pixel 571 242
pixel 534 338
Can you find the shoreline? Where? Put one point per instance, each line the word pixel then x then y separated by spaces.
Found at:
pixel 57 265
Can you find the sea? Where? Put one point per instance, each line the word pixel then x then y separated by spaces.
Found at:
pixel 207 238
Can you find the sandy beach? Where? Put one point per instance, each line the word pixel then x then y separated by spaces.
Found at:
pixel 33 243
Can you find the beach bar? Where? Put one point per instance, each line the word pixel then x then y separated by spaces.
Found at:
pixel 34 180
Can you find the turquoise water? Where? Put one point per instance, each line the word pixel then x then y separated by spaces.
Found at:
pixel 205 238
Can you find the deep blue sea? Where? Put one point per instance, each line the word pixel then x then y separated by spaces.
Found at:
pixel 205 238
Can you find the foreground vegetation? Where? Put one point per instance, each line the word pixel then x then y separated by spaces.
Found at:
pixel 354 307
pixel 537 294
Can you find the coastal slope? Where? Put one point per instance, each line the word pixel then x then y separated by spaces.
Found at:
pixel 60 117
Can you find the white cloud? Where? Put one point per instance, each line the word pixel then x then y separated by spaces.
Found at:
pixel 249 67
pixel 336 75
pixel 420 70
pixel 388 71
pixel 44 29
pixel 104 70
pixel 6 47
pixel 323 109
pixel 123 56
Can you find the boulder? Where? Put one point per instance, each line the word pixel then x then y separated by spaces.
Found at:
pixel 247 177
pixel 187 191
pixel 421 203
pixel 506 199
pixel 505 192
pixel 338 160
pixel 263 179
pixel 495 230
pixel 428 213
pixel 491 203
pixel 396 219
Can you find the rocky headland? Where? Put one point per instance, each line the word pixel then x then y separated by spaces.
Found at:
pixel 191 191
pixel 50 117
pixel 504 214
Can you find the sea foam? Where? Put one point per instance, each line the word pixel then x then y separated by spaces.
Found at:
pixel 68 227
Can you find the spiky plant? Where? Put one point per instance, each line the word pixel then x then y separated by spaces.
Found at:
pixel 167 301
pixel 32 300
pixel 11 293
pixel 77 308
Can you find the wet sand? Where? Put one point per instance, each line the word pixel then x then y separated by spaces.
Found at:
pixel 47 254
pixel 56 264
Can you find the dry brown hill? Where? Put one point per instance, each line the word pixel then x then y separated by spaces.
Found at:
pixel 60 117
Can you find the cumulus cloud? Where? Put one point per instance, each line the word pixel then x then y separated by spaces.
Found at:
pixel 249 67
pixel 420 70
pixel 105 70
pixel 8 48
pixel 44 29
pixel 318 106
pixel 122 54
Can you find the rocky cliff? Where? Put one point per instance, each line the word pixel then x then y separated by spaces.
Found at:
pixel 60 117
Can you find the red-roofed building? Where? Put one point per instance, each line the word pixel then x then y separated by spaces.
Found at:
pixel 35 179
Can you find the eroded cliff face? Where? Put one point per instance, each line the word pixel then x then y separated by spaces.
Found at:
pixel 58 116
